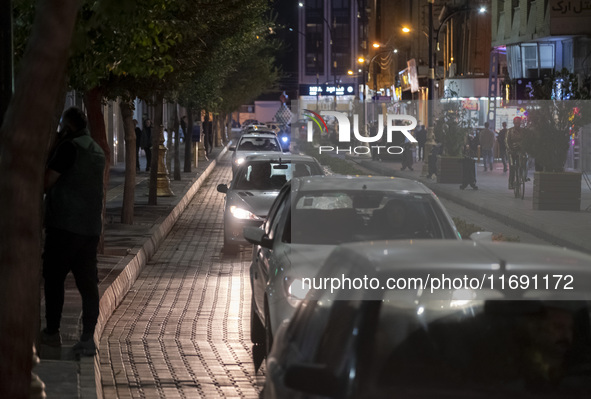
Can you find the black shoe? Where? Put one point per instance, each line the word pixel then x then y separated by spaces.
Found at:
pixel 85 348
pixel 50 339
pixel 462 187
pixel 411 169
pixel 402 168
pixel 474 187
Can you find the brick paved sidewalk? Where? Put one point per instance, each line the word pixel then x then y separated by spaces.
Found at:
pixel 183 329
pixel 127 248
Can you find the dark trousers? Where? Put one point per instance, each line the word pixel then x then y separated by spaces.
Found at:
pixel 208 143
pixel 65 252
pixel 148 157
pixel 421 152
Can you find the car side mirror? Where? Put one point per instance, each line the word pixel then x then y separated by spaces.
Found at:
pixel 481 236
pixel 222 188
pixel 232 148
pixel 256 236
pixel 311 378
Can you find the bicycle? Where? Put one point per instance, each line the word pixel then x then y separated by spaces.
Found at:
pixel 520 176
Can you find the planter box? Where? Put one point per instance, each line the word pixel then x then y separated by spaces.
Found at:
pixel 557 191
pixel 449 170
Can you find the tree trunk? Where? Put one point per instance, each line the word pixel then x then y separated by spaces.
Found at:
pixel 130 161
pixel 93 99
pixel 23 152
pixel 156 132
pixel 177 145
pixel 188 139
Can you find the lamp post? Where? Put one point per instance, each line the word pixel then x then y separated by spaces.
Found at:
pixel 434 34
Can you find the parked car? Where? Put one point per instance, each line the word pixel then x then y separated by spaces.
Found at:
pixel 312 215
pixel 258 129
pixel 462 341
pixel 273 126
pixel 253 143
pixel 253 189
pixel 250 122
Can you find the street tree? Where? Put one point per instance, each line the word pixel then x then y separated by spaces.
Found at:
pixel 23 150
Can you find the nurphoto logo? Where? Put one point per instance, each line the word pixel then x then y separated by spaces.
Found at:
pixel 344 135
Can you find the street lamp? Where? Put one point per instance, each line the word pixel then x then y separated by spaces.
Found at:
pixel 434 34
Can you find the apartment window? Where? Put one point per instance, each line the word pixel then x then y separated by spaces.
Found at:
pixel 314 31
pixel 341 26
pixel 531 60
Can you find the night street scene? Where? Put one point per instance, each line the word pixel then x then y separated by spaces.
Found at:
pixel 295 199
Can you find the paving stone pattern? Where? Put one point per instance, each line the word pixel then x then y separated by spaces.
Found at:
pixel 182 331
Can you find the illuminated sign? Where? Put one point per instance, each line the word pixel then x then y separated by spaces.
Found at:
pixel 327 90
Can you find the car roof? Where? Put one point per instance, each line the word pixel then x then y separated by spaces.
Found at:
pixel 277 157
pixel 449 255
pixel 375 183
pixel 264 129
pixel 258 135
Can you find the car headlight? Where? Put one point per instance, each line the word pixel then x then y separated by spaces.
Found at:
pixel 296 289
pixel 239 161
pixel 240 213
pixel 284 139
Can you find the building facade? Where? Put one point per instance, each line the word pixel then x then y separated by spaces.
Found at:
pixel 538 37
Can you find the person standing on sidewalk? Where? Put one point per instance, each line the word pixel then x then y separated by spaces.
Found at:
pixel 513 143
pixel 421 137
pixel 487 142
pixel 503 146
pixel 147 142
pixel 138 139
pixel 73 224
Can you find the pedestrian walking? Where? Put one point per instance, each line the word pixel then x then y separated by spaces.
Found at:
pixel 73 224
pixel 208 137
pixel 513 142
pixel 138 144
pixel 407 155
pixel 147 142
pixel 421 137
pixel 432 160
pixel 487 142
pixel 503 146
pixel 468 170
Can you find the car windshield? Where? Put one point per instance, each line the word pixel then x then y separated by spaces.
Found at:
pixel 479 347
pixel 257 144
pixel 332 217
pixel 266 175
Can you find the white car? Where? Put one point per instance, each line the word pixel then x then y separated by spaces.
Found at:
pixel 312 215
pixel 253 189
pixel 512 321
pixel 254 143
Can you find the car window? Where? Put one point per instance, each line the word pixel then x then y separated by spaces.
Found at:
pixel 272 175
pixel 279 216
pixel 258 144
pixel 274 213
pixel 519 347
pixel 332 218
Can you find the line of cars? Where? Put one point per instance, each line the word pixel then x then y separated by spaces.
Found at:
pixel 381 342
